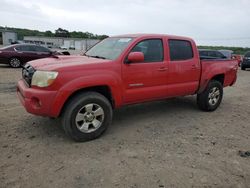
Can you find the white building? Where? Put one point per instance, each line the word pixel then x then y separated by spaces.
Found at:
pixel 7 37
pixel 56 42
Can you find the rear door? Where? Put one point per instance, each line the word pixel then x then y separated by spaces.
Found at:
pixel 184 68
pixel 146 80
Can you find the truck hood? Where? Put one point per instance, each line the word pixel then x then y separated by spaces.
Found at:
pixel 59 62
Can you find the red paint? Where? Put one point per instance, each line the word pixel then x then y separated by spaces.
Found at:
pixel 237 58
pixel 128 83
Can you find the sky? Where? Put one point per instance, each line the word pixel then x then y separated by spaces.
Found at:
pixel 209 22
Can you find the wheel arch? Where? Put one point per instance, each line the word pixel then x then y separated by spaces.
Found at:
pixel 14 56
pixel 105 90
pixel 218 77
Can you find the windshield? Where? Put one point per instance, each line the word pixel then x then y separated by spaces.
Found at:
pixel 109 48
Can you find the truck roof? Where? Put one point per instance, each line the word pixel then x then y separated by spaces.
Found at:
pixel 141 35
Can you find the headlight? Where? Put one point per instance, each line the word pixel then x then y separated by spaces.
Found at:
pixel 43 78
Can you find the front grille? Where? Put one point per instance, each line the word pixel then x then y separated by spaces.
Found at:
pixel 27 73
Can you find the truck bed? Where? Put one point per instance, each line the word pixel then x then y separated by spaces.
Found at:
pixel 227 69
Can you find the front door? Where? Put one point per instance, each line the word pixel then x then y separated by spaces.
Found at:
pixel 146 80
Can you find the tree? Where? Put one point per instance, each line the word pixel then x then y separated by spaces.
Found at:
pixel 48 34
pixel 58 33
pixel 62 33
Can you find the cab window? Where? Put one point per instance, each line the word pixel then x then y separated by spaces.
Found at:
pixel 180 50
pixel 151 48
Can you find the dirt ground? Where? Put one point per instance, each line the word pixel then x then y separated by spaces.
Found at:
pixel 167 143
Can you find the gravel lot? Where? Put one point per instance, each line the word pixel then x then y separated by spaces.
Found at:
pixel 167 143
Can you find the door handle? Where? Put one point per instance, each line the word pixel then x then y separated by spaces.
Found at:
pixel 162 69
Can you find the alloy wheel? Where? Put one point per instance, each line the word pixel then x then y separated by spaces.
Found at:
pixel 89 118
pixel 214 96
pixel 14 62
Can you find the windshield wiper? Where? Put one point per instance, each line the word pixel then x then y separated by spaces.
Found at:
pixel 96 56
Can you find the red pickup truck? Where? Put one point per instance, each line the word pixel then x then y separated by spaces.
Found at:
pixel 118 71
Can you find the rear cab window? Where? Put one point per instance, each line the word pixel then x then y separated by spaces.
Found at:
pixel 180 50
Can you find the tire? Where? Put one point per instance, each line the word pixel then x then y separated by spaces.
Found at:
pixel 15 62
pixel 210 98
pixel 243 68
pixel 86 116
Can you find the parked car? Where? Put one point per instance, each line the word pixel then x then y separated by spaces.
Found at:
pixel 18 54
pixel 246 61
pixel 118 71
pixel 211 54
pixel 63 47
pixel 72 47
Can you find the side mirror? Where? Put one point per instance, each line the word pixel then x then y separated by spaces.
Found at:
pixel 135 57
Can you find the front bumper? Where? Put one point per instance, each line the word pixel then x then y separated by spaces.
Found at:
pixel 35 101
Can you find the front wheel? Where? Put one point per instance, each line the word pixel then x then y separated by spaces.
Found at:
pixel 86 116
pixel 210 98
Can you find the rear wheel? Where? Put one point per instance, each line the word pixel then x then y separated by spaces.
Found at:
pixel 210 98
pixel 15 62
pixel 87 116
pixel 243 68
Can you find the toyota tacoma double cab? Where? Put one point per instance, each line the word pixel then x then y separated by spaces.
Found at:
pixel 121 70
